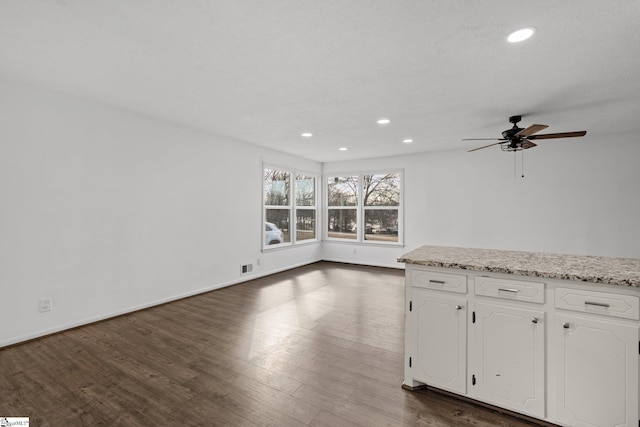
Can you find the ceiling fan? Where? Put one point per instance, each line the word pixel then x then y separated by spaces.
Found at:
pixel 517 138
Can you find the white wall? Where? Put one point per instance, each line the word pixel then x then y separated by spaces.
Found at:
pixel 106 211
pixel 579 196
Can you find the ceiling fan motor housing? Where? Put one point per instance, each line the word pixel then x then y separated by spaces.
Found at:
pixel 510 133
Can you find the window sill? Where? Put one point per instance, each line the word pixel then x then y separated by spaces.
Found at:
pixel 365 243
pixel 285 246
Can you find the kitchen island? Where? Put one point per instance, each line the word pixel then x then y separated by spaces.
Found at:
pixel 552 336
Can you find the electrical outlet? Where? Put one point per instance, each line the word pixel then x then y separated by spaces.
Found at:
pixel 45 304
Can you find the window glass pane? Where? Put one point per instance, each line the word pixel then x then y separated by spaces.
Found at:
pixel 305 224
pixel 276 187
pixel 381 225
pixel 381 190
pixel 342 223
pixel 276 226
pixel 305 190
pixel 343 191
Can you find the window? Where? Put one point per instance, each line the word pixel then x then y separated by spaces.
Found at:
pixel 342 205
pixel 364 207
pixel 289 202
pixel 305 207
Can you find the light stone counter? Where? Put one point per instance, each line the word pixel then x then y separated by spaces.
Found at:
pixel 594 269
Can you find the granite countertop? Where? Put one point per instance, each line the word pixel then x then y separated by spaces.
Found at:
pixel 595 269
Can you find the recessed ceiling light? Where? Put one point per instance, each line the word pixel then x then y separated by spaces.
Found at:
pixel 521 34
pixel 407 140
pixel 384 121
pixel 307 134
pixel 342 148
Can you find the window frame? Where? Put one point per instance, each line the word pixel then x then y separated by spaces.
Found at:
pixel 292 208
pixel 345 207
pixel 361 208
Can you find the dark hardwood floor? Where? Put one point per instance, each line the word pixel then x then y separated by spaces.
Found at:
pixel 321 345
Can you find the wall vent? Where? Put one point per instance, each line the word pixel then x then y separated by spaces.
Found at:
pixel 246 269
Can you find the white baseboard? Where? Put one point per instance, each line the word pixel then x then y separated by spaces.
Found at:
pixel 83 322
pixel 396 265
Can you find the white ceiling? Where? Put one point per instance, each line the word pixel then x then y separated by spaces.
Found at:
pixel 265 71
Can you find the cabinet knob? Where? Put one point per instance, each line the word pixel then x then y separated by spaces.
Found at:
pixel 534 320
pixel 566 325
pixel 458 307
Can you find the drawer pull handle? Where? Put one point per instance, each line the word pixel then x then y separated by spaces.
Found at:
pixel 566 325
pixel 597 304
pixel 458 307
pixel 437 282
pixel 534 320
pixel 515 291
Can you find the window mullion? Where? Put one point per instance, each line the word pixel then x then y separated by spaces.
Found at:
pixel 360 215
pixel 292 206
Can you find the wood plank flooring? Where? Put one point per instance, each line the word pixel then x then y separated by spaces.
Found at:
pixel 321 345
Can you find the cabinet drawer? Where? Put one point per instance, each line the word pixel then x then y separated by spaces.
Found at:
pixel 510 289
pixel 440 281
pixel 615 305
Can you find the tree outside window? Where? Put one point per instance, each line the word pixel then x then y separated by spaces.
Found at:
pixel 342 212
pixel 289 201
pixel 305 207
pixel 376 213
pixel 277 206
pixel 381 206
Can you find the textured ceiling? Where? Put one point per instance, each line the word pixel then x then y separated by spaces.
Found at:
pixel 266 71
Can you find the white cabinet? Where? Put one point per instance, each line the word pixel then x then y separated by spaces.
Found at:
pixel 561 351
pixel 597 371
pixel 508 357
pixel 440 337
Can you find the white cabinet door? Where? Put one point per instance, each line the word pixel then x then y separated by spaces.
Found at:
pixel 508 367
pixel 597 364
pixel 440 337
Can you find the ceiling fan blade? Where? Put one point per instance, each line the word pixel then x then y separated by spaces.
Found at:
pixel 559 135
pixel 490 145
pixel 526 144
pixel 483 139
pixel 531 130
